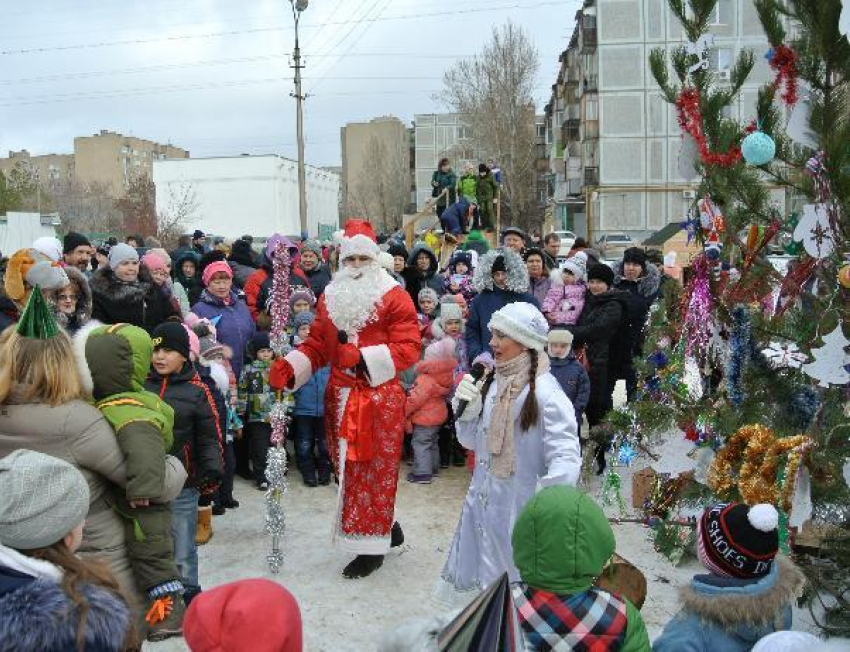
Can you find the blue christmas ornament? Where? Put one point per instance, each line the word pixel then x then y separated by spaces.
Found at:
pixel 758 148
pixel 626 454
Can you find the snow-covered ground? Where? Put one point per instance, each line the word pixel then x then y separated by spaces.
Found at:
pixel 341 615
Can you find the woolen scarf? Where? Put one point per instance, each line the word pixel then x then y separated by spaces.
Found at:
pixel 511 378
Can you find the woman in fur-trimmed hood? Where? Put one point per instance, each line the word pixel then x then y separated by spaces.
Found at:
pixel 500 278
pixel 71 314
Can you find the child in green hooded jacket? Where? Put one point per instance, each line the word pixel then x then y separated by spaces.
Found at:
pixel 561 542
pixel 118 358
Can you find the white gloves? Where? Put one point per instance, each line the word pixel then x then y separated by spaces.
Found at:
pixel 467 390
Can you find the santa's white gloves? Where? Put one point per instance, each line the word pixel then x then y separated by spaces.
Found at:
pixel 470 391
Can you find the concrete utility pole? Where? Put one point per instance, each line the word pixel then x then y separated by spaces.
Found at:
pixel 299 6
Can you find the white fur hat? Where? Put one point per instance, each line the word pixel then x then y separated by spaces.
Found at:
pixel 450 312
pixel 523 323
pixel 49 246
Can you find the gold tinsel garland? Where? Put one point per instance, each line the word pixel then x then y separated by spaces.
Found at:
pixel 757 451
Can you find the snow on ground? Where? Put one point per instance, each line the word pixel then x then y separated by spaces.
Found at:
pixel 347 615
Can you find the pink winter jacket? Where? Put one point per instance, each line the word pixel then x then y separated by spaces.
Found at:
pixel 564 303
pixel 426 404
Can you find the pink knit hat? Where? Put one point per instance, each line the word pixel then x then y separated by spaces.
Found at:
pixel 194 343
pixel 153 262
pixel 218 266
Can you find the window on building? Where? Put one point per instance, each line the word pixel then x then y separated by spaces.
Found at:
pixel 541 131
pixel 591 110
pixel 720 59
pixel 718 15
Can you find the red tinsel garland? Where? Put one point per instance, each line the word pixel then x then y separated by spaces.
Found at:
pixel 690 120
pixel 784 61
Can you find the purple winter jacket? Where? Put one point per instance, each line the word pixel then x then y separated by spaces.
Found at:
pixel 235 328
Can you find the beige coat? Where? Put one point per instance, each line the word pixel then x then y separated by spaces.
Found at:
pixel 77 433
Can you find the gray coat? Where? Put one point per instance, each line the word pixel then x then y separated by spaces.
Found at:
pixel 77 433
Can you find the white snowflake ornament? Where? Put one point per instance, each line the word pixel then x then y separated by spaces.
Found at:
pixel 815 231
pixel 829 360
pixel 784 355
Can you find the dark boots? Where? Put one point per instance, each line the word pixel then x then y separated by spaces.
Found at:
pixel 365 565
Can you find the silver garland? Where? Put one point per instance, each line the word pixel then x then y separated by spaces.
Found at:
pixel 275 522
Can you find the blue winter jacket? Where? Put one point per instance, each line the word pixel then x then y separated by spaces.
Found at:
pixel 573 379
pixel 722 614
pixel 235 328
pixel 310 397
pixel 477 335
pixel 453 217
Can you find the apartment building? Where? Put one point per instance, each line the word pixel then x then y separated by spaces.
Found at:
pixel 613 140
pixel 107 158
pixel 439 135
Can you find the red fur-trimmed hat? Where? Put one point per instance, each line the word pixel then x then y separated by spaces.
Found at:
pixel 359 240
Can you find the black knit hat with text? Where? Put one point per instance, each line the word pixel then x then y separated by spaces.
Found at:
pixel 736 540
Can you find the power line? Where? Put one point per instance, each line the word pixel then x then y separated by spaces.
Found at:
pixel 259 30
pixel 214 63
pixel 357 40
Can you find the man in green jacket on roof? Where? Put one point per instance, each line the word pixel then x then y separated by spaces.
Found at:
pixel 561 542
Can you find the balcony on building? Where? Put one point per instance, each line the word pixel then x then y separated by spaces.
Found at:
pixel 591 176
pixel 588 34
pixel 590 130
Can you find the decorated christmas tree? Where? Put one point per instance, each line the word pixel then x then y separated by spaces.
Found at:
pixel 748 361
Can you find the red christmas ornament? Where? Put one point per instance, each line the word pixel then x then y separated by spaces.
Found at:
pixel 691 433
pixel 784 61
pixel 690 120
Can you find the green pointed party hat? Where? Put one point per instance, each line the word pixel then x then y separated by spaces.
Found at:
pixel 37 321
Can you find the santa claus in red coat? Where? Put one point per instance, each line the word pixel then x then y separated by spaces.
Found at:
pixel 366 329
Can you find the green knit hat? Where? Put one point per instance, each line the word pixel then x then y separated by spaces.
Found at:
pixel 37 321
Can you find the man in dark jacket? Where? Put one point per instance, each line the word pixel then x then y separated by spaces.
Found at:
pixel 599 330
pixel 318 275
pixel 199 242
pixel 421 272
pixel 197 440
pixel 242 262
pixel 453 220
pixel 641 281
pixel 184 246
pixel 500 278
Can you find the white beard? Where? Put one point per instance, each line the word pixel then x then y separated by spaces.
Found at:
pixel 353 296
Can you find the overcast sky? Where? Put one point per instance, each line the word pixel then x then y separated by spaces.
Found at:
pixel 212 75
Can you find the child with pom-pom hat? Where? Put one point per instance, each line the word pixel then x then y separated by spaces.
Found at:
pixel 748 591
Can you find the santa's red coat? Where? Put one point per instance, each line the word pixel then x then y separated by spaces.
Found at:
pixel 388 344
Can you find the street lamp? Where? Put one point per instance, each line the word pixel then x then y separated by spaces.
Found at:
pixel 299 6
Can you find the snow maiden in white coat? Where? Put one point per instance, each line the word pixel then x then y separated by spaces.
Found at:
pixel 524 438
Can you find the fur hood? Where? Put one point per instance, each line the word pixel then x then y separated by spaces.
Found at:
pixel 105 283
pixel 40 616
pixel 82 315
pixel 647 284
pixel 756 604
pixel 517 271
pixel 419 248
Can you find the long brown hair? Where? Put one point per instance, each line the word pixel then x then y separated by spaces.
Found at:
pixel 44 370
pixel 76 573
pixel 530 411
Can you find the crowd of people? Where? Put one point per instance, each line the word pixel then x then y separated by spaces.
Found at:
pixel 136 383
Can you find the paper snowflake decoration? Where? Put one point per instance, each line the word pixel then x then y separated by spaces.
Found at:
pixel 815 231
pixel 784 355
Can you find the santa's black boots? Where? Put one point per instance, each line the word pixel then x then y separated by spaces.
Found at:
pixel 363 566
pixel 397 536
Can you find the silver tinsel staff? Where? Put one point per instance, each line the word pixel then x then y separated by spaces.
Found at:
pixel 276 462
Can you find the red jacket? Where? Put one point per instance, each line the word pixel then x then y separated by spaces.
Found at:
pixel 258 288
pixel 426 404
pixel 388 344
